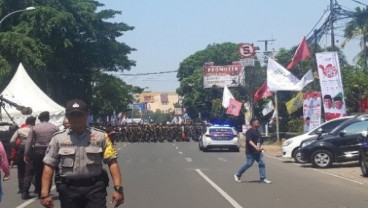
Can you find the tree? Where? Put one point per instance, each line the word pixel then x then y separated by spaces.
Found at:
pixel 358 27
pixel 203 103
pixel 63 44
pixel 109 94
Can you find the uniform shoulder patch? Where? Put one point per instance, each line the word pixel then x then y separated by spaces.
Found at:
pixel 99 130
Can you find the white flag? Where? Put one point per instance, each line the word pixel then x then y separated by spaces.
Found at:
pixel 226 97
pixel 279 78
pixel 273 117
pixel 306 79
pixel 268 108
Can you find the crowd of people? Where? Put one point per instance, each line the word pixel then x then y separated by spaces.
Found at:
pixel 154 132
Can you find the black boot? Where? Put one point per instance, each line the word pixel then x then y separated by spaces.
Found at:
pixel 25 196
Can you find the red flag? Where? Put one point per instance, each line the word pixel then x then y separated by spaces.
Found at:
pixel 234 107
pixel 262 92
pixel 301 53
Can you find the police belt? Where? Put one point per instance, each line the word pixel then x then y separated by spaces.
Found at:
pixel 81 181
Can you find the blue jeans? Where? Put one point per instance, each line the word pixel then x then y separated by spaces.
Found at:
pixel 251 157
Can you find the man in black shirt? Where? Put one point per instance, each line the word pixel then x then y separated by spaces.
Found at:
pixel 253 151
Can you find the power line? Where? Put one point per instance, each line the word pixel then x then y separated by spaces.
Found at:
pixel 148 73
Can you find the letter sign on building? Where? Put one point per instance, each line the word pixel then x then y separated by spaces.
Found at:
pixel 247 50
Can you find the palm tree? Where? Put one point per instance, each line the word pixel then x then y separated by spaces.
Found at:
pixel 358 27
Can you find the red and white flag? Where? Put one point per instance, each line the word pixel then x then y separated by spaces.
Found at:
pixel 301 53
pixel 262 92
pixel 234 107
pixel 226 96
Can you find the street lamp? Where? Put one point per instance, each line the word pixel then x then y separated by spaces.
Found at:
pixel 17 11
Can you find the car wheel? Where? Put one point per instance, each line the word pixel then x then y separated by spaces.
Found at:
pixel 364 168
pixel 322 159
pixel 297 155
pixel 200 146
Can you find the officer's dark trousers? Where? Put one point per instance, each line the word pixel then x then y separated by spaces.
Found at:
pixel 21 168
pixel 93 196
pixel 35 168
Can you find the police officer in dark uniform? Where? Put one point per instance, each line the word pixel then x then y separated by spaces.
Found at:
pixel 79 153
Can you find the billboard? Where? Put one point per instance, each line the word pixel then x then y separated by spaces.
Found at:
pixel 229 75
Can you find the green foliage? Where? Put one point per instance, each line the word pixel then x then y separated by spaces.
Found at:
pixel 358 28
pixel 109 94
pixel 296 125
pixel 63 44
pixel 158 116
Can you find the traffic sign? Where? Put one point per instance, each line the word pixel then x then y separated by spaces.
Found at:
pixel 247 50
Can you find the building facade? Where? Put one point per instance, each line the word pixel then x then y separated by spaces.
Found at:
pixel 163 101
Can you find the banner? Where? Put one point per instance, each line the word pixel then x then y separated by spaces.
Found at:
pixel 230 75
pixel 226 97
pixel 301 53
pixel 311 110
pixel 262 92
pixel 268 108
pixel 280 79
pixel 295 103
pixel 234 107
pixel 331 85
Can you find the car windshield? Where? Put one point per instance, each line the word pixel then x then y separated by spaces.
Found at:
pixel 221 130
pixel 351 128
pixel 330 125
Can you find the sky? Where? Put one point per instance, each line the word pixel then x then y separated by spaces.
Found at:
pixel 169 31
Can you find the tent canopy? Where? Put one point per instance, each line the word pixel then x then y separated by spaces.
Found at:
pixel 24 92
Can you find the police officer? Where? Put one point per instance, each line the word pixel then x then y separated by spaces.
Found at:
pixel 78 152
pixel 22 134
pixel 35 148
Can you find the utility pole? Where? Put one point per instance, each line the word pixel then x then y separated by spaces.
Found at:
pixel 332 19
pixel 266 43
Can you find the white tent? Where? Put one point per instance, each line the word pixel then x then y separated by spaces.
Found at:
pixel 24 92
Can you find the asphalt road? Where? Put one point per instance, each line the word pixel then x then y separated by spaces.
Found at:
pixel 168 175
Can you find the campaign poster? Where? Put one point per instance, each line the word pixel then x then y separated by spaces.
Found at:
pixel 331 85
pixel 311 110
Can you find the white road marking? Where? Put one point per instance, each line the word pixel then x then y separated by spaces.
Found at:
pixel 181 153
pixel 28 202
pixel 188 159
pixel 222 159
pixel 338 176
pixel 222 192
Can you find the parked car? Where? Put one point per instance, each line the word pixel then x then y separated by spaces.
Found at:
pixel 290 147
pixel 363 154
pixel 219 136
pixel 339 145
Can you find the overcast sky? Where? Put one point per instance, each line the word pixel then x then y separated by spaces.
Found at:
pixel 167 31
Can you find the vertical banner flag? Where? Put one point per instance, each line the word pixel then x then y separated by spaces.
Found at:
pixel 226 96
pixel 262 92
pixel 331 85
pixel 268 108
pixel 234 107
pixel 295 103
pixel 301 53
pixel 312 110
